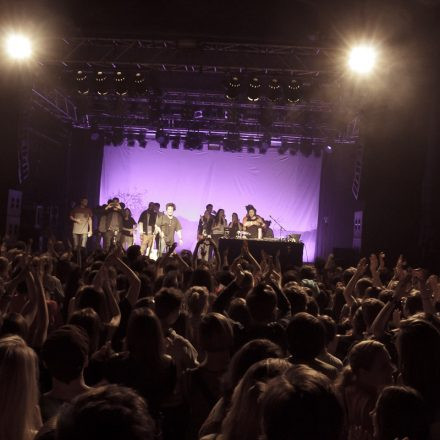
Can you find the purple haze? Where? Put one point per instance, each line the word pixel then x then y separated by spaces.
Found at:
pixel 283 186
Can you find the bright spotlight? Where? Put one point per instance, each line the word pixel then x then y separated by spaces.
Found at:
pixel 18 47
pixel 362 59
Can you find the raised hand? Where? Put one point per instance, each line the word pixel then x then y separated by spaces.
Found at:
pixel 245 248
pixel 239 275
pixel 401 288
pixel 432 282
pixel 330 263
pixel 374 263
pixel 381 261
pixel 361 266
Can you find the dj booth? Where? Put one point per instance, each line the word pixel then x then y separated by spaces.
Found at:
pixel 291 254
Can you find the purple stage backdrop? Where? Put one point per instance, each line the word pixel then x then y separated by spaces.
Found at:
pixel 283 186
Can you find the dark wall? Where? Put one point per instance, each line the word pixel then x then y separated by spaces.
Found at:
pixel 85 168
pixel 336 203
pixel 64 164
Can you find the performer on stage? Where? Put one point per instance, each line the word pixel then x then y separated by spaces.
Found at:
pixel 81 216
pixel 147 223
pixel 204 230
pixel 167 225
pixel 268 231
pixel 218 227
pixel 253 223
pixel 128 228
pixel 206 221
pixel 235 225
pixel 113 222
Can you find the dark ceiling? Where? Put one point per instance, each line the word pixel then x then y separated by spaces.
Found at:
pixel 320 22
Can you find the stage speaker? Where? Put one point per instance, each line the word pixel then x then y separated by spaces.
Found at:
pixel 13 214
pixel 357 230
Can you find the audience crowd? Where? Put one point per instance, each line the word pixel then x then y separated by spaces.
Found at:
pixel 113 345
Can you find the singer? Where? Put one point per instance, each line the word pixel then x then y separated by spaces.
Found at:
pixel 253 223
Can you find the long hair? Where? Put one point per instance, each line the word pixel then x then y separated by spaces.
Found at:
pixel 145 340
pixel 249 354
pixel 242 420
pixel 419 358
pixel 215 333
pixel 218 220
pixel 19 418
pixel 401 412
pixel 361 356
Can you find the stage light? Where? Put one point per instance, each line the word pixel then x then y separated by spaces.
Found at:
pixel 175 142
pixel 193 141
pixel 118 137
pixel 283 148
pixel 250 146
pixel 293 91
pixel 101 83
pixel 140 84
pixel 120 84
pixel 275 91
pixel 293 149
pixel 265 144
pixel 198 114
pixel 305 148
pixel 362 59
pixel 142 142
pixel 317 150
pixel 233 88
pixel 130 139
pixel 82 82
pixel 254 89
pixel 232 143
pixel 328 149
pixel 162 138
pixel 18 47
pixel 215 142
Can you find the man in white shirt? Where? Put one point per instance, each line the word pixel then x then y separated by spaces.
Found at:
pixel 81 217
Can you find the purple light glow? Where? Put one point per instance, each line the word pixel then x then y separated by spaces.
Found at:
pixel 283 186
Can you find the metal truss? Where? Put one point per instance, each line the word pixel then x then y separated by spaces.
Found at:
pixel 210 112
pixel 56 103
pixel 188 56
pixel 182 62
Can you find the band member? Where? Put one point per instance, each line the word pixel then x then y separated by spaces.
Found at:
pixel 167 225
pixel 219 225
pixel 147 222
pixel 253 223
pixel 81 217
pixel 268 231
pixel 205 223
pixel 128 228
pixel 113 223
pixel 235 225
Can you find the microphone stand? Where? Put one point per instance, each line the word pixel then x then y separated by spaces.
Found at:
pixel 282 228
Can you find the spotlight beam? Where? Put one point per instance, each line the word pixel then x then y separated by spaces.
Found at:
pixel 362 59
pixel 18 47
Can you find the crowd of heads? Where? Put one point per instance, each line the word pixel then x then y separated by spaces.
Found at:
pixel 118 346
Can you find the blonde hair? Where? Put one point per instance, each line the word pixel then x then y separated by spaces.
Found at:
pixel 196 300
pixel 19 414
